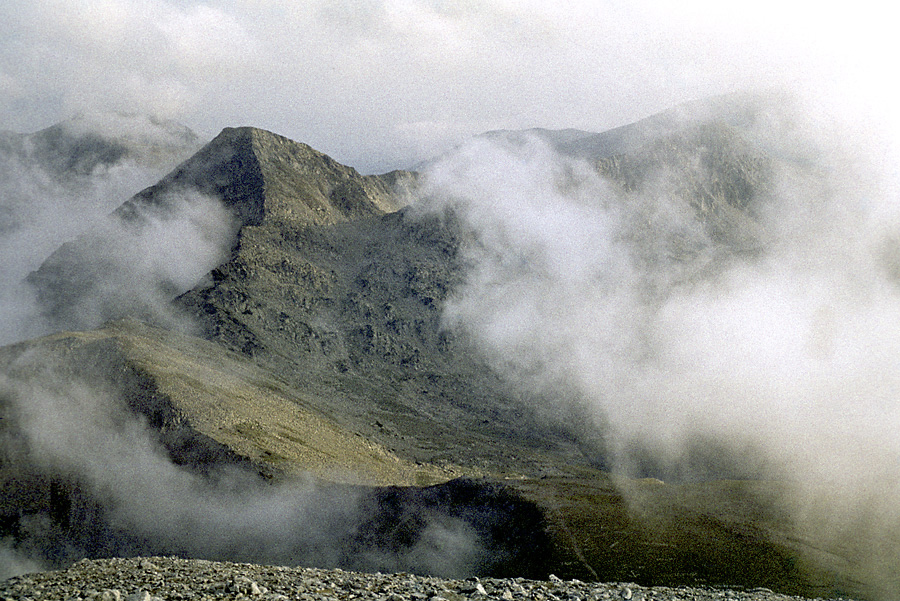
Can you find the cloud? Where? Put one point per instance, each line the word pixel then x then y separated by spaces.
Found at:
pixel 572 284
pixel 40 213
pixel 354 78
pixel 156 57
pixel 134 262
pixel 63 185
pixel 117 492
pixel 695 359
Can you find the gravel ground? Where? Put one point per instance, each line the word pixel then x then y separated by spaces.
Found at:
pixel 168 578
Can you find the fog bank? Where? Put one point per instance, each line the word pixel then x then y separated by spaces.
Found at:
pixel 114 490
pixel 702 342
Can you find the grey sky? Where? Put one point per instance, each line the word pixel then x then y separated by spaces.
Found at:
pixel 380 84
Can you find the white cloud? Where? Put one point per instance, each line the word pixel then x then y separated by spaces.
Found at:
pixel 354 78
pixel 782 363
pixel 152 57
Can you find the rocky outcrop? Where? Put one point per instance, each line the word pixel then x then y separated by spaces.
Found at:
pixel 266 178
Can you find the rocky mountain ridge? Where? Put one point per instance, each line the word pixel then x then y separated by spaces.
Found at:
pixel 316 348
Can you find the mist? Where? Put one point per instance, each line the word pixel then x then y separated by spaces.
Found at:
pixel 40 213
pixel 135 262
pixel 771 352
pixel 65 182
pixel 125 496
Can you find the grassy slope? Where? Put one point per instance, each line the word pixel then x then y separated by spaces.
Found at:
pixel 184 384
pixel 736 533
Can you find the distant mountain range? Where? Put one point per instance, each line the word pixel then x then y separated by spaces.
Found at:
pixel 88 142
pixel 308 341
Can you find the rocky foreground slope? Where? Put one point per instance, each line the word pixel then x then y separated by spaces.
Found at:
pixel 149 579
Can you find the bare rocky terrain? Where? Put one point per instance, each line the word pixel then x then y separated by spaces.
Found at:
pixel 148 579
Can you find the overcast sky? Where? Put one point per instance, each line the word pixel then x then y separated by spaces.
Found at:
pixel 379 84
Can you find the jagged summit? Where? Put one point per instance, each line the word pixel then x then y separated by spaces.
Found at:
pixel 262 179
pixel 261 176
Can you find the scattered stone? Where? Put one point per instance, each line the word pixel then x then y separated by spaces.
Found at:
pixel 171 579
pixel 146 564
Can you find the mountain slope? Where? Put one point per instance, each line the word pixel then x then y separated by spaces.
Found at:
pixel 328 284
pixel 321 348
pixel 210 405
pixel 353 312
pixel 256 175
pixel 323 286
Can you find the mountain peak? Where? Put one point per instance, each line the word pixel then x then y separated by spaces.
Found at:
pixel 263 176
pixel 263 180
